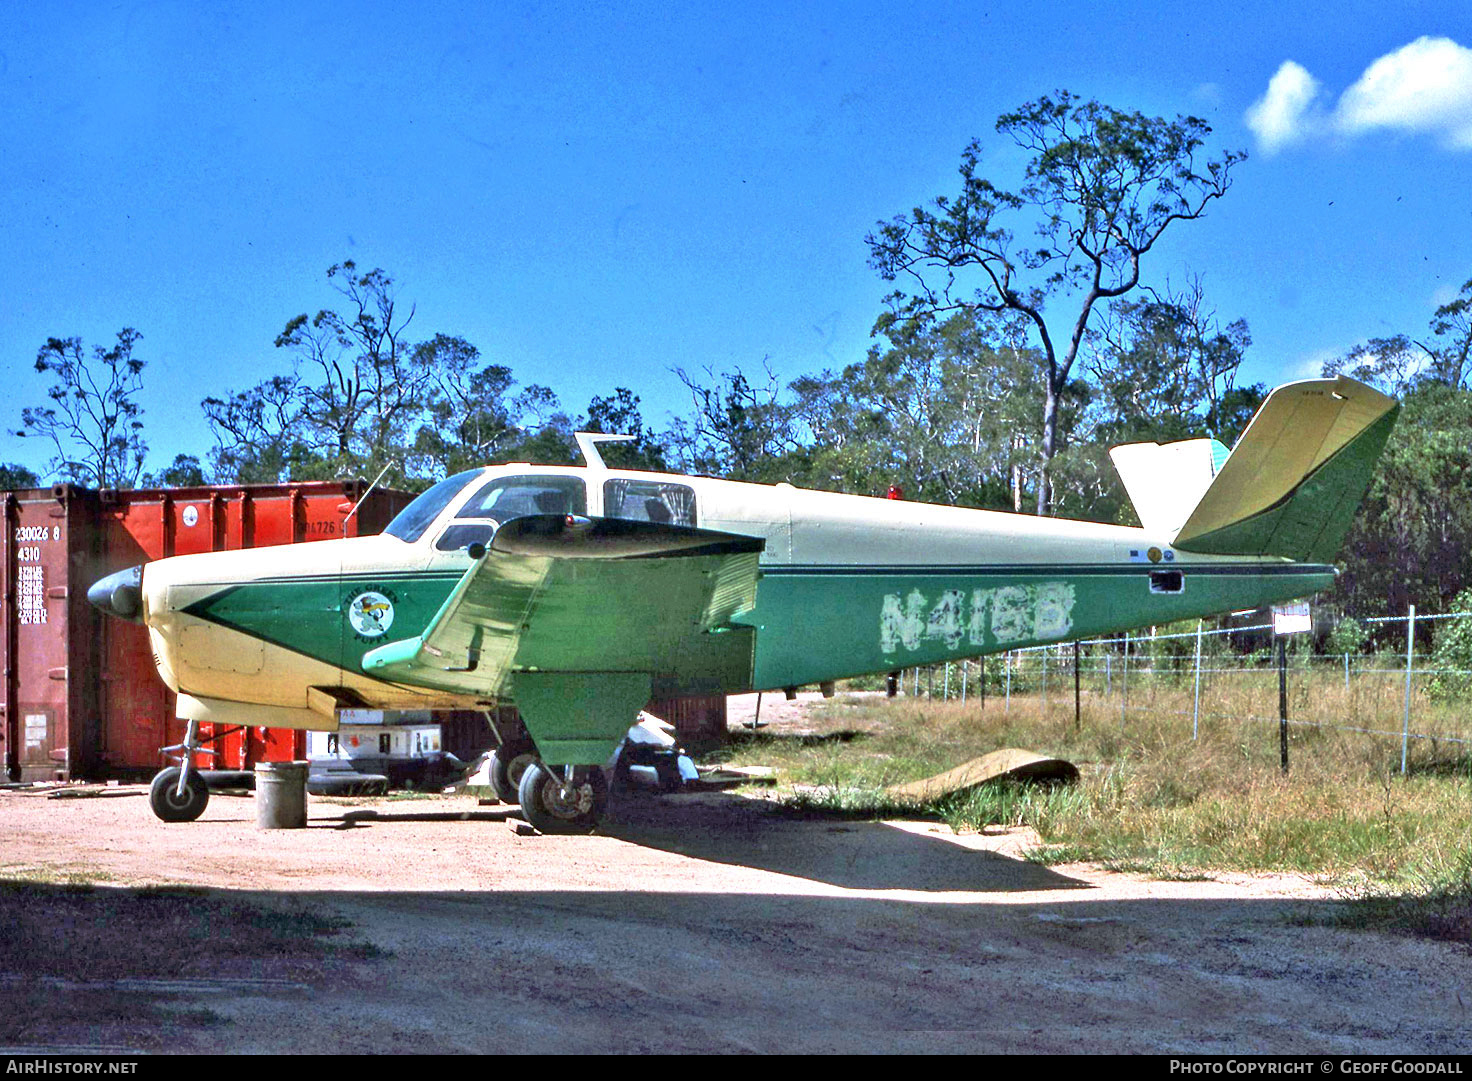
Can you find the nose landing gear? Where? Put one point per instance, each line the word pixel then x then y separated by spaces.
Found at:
pixel 178 793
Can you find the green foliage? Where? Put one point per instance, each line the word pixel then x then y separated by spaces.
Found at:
pixel 940 409
pixel 469 413
pixel 184 472
pixel 1348 636
pixel 618 414
pixel 1411 542
pixel 94 422
pixel 736 429
pixel 361 383
pixel 14 476
pixel 1450 345
pixel 1399 364
pixel 260 436
pixel 361 396
pixel 1451 658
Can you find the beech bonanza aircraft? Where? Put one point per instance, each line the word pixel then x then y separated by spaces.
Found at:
pixel 581 593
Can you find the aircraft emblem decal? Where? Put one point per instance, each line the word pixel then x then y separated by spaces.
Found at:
pixel 371 614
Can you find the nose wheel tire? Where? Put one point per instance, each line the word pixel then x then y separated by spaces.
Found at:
pixel 553 806
pixel 507 766
pixel 169 805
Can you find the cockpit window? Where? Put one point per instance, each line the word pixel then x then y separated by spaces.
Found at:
pixel 506 498
pixel 411 522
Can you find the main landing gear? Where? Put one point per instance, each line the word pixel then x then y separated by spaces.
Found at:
pixel 508 762
pixel 562 799
pixel 178 793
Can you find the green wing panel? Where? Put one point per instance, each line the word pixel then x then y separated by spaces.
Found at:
pixel 589 596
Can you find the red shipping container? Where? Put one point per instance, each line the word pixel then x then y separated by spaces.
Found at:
pixel 82 699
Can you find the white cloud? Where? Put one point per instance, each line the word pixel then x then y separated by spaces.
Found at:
pixel 1425 86
pixel 1422 88
pixel 1285 114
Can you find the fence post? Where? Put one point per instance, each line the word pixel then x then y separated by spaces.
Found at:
pixel 945 693
pixel 1283 699
pixel 1346 673
pixel 1196 710
pixel 1108 674
pixel 1405 731
pixel 1045 680
pixel 1008 659
pixel 965 671
pixel 981 683
pixel 1124 682
pixel 1077 722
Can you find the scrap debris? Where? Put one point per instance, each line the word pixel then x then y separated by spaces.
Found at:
pixel 1010 763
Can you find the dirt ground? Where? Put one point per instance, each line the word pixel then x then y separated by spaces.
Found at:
pixel 689 923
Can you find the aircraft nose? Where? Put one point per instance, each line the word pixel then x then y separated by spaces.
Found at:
pixel 120 594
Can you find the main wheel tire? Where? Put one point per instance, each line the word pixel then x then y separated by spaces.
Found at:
pixel 506 772
pixel 164 798
pixel 547 807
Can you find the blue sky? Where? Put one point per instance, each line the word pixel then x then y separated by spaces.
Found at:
pixel 593 194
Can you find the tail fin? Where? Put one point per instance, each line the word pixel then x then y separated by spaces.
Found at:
pixel 1165 481
pixel 1291 484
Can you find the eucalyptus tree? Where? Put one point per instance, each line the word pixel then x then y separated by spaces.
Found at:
pixel 736 428
pixel 1099 189
pixel 261 436
pixel 362 382
pixel 938 408
pixel 1165 367
pixel 94 421
pixel 1398 363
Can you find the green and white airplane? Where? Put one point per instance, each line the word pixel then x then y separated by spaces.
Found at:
pixel 579 594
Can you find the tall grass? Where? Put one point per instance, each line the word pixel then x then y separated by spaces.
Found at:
pixel 1151 798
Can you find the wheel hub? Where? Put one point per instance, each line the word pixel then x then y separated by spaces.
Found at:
pixel 568 801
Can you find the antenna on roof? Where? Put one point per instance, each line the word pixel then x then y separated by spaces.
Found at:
pixel 369 492
pixel 588 444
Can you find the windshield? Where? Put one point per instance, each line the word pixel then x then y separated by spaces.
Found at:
pixel 411 522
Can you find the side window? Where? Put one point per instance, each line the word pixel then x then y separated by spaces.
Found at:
pixel 461 535
pixel 649 501
pixel 506 498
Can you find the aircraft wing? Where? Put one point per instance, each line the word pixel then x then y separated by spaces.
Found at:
pixel 556 594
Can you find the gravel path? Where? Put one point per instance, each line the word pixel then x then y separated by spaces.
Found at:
pixel 709 923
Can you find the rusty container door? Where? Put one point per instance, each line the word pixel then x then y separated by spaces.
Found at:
pixel 48 640
pixel 132 527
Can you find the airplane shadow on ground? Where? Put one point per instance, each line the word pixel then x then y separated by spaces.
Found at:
pixel 854 854
pixel 733 830
pixel 368 816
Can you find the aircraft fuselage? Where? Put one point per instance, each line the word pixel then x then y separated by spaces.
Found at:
pixel 848 585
